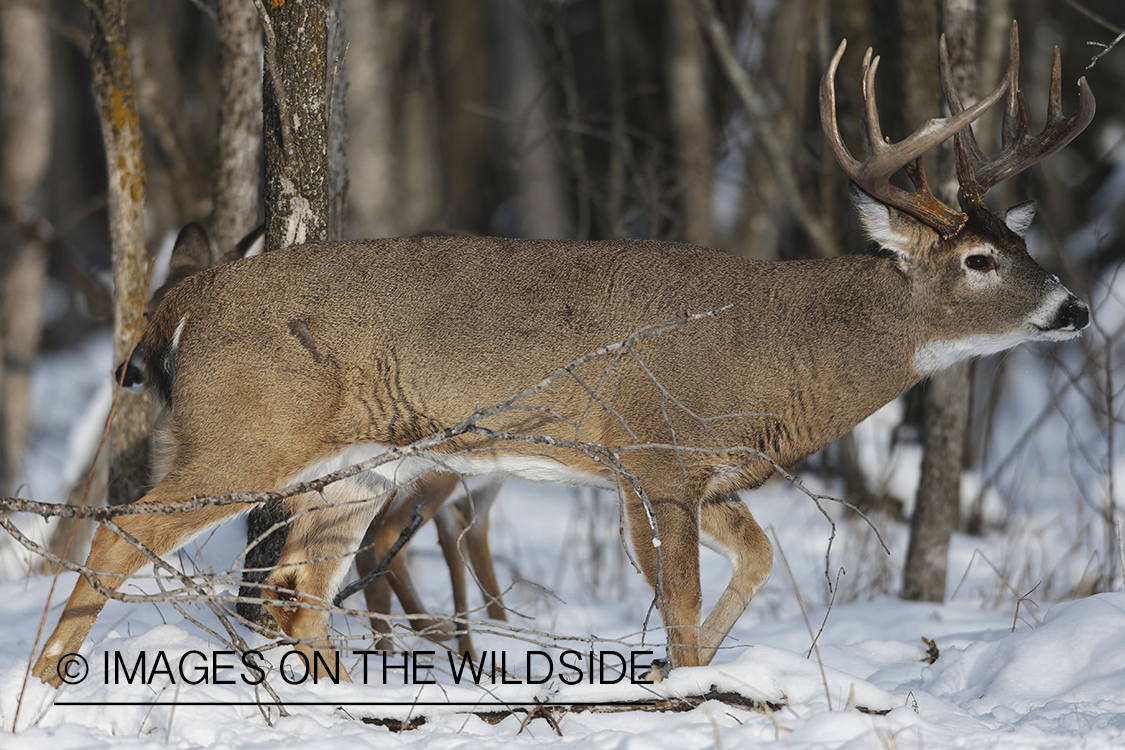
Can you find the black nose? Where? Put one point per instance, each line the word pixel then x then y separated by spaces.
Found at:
pixel 1074 314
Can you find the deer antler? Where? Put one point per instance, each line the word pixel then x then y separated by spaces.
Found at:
pixel 977 173
pixel 882 158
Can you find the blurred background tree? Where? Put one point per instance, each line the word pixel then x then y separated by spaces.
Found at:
pixel 689 120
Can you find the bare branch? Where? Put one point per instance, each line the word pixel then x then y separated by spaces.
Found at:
pixel 1107 49
pixel 274 65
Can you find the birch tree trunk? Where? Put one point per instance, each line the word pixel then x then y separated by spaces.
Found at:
pixel 304 137
pixel 121 132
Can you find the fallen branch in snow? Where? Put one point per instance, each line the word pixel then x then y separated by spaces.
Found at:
pixel 551 712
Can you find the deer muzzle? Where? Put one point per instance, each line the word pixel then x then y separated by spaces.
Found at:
pixel 1073 315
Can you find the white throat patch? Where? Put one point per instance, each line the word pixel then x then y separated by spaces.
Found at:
pixel 941 353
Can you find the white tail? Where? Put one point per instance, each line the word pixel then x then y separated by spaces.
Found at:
pixel 287 365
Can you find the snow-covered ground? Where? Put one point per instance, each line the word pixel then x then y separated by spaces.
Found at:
pixel 1012 668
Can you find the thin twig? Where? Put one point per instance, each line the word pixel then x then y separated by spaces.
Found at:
pixel 273 64
pixel 1107 49
pixel 416 520
pixel 828 611
pixel 1096 18
pixel 804 614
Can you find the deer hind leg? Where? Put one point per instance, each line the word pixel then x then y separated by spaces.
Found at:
pixel 462 528
pixel 671 566
pixel 473 511
pixel 377 594
pixel 432 491
pixel 115 559
pixel 323 536
pixel 729 528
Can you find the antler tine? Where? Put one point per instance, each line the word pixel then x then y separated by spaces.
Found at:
pixel 872 132
pixel 970 160
pixel 1054 98
pixel 1014 125
pixel 976 172
pixel 828 114
pixel 966 138
pixel 883 159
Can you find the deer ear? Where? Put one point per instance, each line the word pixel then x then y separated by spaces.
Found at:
pixel 1019 217
pixel 252 244
pixel 892 229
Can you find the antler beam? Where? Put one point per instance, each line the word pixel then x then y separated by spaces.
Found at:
pixel 883 158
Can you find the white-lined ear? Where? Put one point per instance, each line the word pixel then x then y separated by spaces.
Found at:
pixel 1019 217
pixel 257 246
pixel 890 228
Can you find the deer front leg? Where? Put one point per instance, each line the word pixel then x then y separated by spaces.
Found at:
pixel 116 558
pixel 322 540
pixel 669 557
pixel 730 530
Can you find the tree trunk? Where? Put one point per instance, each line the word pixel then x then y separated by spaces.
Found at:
pixel 295 128
pixel 121 132
pixel 374 56
pixel 25 148
pixel 938 502
pixel 691 120
pixel 336 110
pixel 237 179
pixel 304 132
pixel 543 210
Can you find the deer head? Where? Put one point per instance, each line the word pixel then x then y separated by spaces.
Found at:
pixel 980 266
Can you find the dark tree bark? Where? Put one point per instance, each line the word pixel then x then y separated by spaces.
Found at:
pixel 690 112
pixel 295 131
pixel 540 178
pixel 336 110
pixel 375 146
pixel 121 132
pixel 304 137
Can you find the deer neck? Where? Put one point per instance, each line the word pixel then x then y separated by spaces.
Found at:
pixel 858 310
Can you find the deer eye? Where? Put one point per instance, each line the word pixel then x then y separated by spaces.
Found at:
pixel 982 263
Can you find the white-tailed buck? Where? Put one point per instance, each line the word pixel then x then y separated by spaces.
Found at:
pixel 285 366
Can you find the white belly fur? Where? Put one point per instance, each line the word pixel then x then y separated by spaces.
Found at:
pixel 405 470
